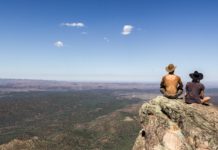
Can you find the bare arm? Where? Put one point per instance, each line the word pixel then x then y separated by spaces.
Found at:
pixel 202 92
pixel 162 85
pixel 186 89
pixel 202 95
pixel 180 84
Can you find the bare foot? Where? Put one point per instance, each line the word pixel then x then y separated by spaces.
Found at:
pixel 205 100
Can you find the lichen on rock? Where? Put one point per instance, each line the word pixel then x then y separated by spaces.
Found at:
pixel 171 124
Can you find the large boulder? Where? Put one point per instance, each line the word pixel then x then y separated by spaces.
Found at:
pixel 170 124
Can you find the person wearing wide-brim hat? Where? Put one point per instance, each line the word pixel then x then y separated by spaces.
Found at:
pixel 171 85
pixel 195 90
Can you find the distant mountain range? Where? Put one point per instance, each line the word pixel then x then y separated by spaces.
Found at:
pixel 11 85
pixel 22 85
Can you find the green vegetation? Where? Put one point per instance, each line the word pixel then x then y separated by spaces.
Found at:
pixel 91 119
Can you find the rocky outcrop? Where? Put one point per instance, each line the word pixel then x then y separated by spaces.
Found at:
pixel 174 125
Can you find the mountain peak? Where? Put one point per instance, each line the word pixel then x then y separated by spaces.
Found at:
pixel 170 124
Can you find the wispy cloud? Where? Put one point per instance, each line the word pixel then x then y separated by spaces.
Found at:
pixel 127 29
pixel 84 33
pixel 59 44
pixel 73 24
pixel 106 39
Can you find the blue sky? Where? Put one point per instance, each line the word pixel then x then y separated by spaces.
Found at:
pixel 85 40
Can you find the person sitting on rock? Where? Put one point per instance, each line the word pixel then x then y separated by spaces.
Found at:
pixel 171 85
pixel 195 90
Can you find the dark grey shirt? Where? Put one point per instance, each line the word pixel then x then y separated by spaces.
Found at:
pixel 193 92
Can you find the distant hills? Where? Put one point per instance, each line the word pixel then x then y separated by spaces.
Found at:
pixel 26 85
pixel 16 85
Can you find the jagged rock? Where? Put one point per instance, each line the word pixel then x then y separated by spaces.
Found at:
pixel 174 125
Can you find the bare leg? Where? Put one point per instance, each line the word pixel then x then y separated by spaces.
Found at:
pixel 205 100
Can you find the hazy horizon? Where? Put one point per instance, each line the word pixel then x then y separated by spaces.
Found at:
pixel 207 83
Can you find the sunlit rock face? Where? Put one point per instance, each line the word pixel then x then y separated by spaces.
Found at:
pixel 174 125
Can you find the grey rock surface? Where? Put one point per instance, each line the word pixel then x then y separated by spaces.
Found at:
pixel 170 124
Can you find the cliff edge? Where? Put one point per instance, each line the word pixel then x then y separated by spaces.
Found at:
pixel 174 125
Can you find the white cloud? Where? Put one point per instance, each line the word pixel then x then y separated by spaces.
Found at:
pixel 73 24
pixel 59 44
pixel 127 29
pixel 106 39
pixel 84 33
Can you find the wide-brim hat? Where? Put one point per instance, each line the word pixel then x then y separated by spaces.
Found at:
pixel 196 75
pixel 170 68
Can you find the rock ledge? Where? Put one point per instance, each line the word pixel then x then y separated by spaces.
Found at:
pixel 173 125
